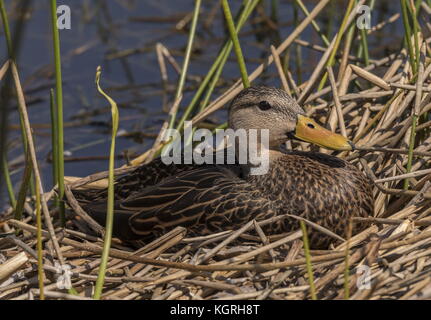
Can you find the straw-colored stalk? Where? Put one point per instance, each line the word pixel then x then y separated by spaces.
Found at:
pixel 308 260
pixel 40 272
pixel 59 105
pixel 110 206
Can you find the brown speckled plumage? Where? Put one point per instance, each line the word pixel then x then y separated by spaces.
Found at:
pixel 156 198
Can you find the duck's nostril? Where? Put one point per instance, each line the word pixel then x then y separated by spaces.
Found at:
pixel 310 125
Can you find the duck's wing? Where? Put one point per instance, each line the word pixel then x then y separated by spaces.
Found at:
pixel 134 182
pixel 142 177
pixel 205 199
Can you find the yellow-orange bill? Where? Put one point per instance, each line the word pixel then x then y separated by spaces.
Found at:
pixel 309 131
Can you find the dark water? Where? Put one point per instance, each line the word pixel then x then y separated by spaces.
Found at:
pixel 103 28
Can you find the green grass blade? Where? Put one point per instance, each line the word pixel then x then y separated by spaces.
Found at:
pixel 59 103
pixel 186 59
pixel 236 45
pixel 54 142
pixel 9 186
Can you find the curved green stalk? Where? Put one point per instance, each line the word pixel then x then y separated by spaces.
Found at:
pixel 110 207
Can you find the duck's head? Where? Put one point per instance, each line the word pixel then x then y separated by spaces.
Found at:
pixel 273 109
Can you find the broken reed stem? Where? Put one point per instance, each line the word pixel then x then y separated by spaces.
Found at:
pixel 236 45
pixel 186 62
pixel 59 113
pixel 110 206
pixel 308 260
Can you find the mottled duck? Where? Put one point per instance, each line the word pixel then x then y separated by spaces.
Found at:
pixel 210 198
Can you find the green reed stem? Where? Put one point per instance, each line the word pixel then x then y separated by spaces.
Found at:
pixel 313 23
pixel 6 29
pixel 11 54
pixel 59 104
pixel 308 260
pixel 331 58
pixel 297 48
pixel 364 43
pixel 411 148
pixel 26 178
pixel 186 58
pixel 236 45
pixel 218 65
pixel 6 175
pixel 54 142
pixel 110 206
pixel 415 36
pixel 408 34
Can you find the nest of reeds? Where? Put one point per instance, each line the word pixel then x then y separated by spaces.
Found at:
pixel 384 108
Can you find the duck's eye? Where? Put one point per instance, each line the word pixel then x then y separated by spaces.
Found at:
pixel 264 105
pixel 310 125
